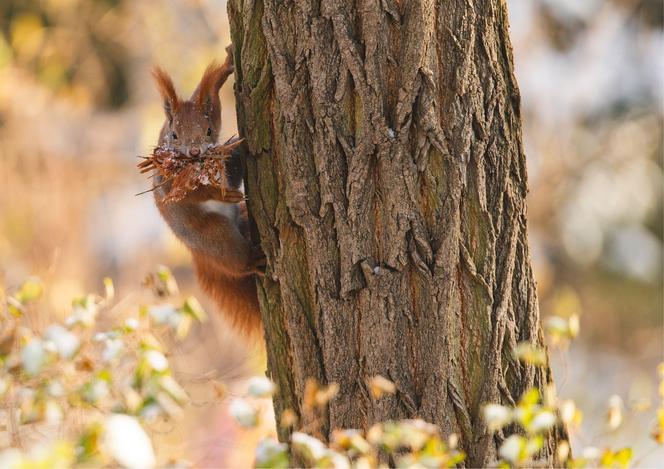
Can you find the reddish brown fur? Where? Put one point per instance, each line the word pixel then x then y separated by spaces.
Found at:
pixel 236 297
pixel 214 77
pixel 223 257
pixel 166 88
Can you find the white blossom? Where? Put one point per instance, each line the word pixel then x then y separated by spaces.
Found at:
pixel 310 446
pixel 156 360
pixel 496 416
pixel 542 421
pixel 511 448
pixel 162 314
pixel 112 348
pixel 33 356
pixel 66 343
pixel 267 449
pixel 244 413
pixel 261 387
pixel 126 441
pixel 131 324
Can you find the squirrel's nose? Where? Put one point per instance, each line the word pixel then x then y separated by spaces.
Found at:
pixel 194 151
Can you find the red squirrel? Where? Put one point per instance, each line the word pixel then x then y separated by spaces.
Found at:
pixel 214 228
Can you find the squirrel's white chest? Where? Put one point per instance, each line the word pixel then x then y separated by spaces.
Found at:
pixel 220 208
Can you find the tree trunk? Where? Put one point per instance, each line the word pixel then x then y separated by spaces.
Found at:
pixel 387 184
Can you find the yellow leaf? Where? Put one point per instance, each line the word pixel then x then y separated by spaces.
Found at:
pixel 325 395
pixel 288 418
pixel 531 354
pixel 194 309
pixel 615 412
pixel 574 325
pixel 550 395
pixel 31 289
pixel 109 289
pixel 660 370
pixel 658 431
pixel 530 397
pixel 379 386
pixel 309 397
pixel 563 451
pixel 623 456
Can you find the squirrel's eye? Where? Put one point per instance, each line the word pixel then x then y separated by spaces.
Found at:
pixel 209 132
pixel 174 135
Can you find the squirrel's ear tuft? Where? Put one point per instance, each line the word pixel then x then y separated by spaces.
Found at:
pixel 166 90
pixel 206 94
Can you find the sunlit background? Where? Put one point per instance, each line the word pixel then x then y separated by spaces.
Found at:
pixel 77 106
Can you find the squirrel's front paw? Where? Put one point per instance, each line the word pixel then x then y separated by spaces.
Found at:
pixel 229 58
pixel 259 261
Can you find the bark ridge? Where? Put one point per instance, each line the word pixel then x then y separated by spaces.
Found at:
pixel 388 188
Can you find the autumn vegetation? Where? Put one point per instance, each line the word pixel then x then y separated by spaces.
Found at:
pixel 82 392
pixel 136 374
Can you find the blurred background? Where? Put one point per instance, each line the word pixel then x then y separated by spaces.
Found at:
pixel 77 106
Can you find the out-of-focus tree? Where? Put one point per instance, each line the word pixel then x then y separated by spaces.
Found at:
pixel 591 75
pixel 69 46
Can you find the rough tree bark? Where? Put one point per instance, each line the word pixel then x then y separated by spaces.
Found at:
pixel 388 188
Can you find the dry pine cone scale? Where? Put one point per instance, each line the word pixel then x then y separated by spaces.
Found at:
pixel 187 173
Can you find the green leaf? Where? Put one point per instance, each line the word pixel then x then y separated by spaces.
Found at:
pixel 271 454
pixel 193 308
pixel 168 284
pixel 88 446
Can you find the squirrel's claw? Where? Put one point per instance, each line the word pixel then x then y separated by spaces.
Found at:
pixel 259 261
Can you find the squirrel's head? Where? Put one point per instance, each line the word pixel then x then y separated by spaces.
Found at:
pixel 192 126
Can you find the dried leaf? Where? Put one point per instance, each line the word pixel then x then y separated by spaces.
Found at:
pixel 186 173
pixel 288 418
pixel 379 386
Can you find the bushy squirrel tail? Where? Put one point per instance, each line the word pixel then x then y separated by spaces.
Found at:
pixel 236 297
